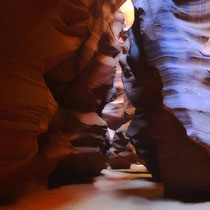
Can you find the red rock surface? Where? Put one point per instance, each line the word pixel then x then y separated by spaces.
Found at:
pixel 56 42
pixel 57 68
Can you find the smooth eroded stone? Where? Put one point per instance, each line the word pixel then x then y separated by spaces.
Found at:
pixel 173 37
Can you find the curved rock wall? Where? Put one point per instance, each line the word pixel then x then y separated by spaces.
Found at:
pixel 57 62
pixel 177 35
pixel 171 132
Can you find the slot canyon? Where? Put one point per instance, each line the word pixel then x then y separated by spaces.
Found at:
pixel 104 104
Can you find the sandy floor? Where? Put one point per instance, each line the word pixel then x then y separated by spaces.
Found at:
pixel 110 192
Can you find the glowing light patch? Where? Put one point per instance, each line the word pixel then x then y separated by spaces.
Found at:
pixel 128 10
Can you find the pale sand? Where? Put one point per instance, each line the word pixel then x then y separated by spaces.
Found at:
pixel 109 192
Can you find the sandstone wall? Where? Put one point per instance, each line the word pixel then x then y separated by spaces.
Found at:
pixel 54 75
pixel 164 79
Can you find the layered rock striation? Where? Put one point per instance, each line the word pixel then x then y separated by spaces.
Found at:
pixel 164 75
pixel 57 63
pixel 57 69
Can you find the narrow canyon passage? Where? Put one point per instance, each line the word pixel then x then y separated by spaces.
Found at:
pixel 89 88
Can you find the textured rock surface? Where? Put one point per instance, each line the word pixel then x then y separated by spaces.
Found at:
pixel 56 42
pixel 118 114
pixel 122 153
pixel 85 97
pixel 57 71
pixel 172 131
pixel 178 37
pixel 143 87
